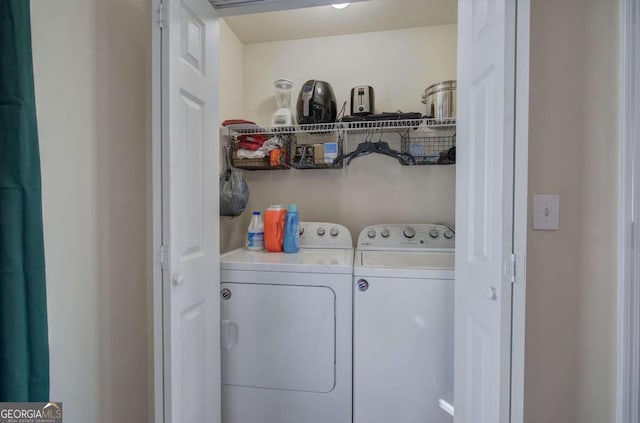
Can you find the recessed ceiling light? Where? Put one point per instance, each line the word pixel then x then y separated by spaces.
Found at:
pixel 340 5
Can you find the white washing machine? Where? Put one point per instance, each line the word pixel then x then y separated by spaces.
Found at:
pixel 286 335
pixel 403 324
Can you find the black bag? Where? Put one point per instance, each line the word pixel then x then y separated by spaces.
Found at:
pixel 234 192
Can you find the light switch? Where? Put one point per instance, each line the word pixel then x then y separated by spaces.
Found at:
pixel 546 210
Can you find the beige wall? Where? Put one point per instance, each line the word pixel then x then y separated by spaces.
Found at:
pixel 231 107
pixel 231 52
pixel 91 73
pixel 399 65
pixel 376 189
pixel 571 279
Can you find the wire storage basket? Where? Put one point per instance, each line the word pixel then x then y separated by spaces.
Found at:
pixel 430 149
pixel 274 159
pixel 315 155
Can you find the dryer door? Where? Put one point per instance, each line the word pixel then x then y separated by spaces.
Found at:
pixel 278 336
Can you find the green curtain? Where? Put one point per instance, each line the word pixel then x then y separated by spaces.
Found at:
pixel 24 348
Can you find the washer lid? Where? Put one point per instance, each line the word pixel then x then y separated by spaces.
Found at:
pixel 408 264
pixel 316 260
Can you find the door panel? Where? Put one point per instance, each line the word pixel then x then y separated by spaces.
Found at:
pixel 192 40
pixel 188 173
pixel 479 165
pixel 484 209
pixel 190 212
pixel 193 352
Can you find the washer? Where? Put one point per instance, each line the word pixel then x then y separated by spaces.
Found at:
pixel 286 335
pixel 404 324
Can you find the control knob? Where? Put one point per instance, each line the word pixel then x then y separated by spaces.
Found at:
pixel 385 233
pixel 448 234
pixel 409 232
pixel 334 231
pixel 371 233
pixel 321 231
pixel 434 233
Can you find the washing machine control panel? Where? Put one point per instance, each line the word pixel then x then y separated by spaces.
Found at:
pixel 324 235
pixel 413 237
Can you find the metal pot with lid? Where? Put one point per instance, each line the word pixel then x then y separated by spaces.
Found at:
pixel 440 99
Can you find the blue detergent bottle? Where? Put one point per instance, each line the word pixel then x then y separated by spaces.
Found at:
pixel 291 243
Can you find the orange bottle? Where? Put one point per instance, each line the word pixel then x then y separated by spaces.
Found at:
pixel 274 218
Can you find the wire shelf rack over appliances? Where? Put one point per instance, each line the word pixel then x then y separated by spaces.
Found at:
pixel 349 126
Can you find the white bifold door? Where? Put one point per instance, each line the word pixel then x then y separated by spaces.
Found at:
pixel 485 211
pixel 190 210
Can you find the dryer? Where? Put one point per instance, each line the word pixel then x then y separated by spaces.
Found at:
pixel 404 324
pixel 286 335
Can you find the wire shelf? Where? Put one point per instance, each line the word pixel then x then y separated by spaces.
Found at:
pixel 430 150
pixel 294 129
pixel 323 128
pixel 400 124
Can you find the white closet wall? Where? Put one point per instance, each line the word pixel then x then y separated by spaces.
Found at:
pixel 399 65
pixel 231 106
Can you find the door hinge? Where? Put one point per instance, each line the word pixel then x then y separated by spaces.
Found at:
pixel 161 16
pixel 518 268
pixel 164 256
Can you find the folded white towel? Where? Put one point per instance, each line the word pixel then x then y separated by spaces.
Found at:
pixel 248 154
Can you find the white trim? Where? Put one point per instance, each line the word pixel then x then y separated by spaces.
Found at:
pixel 162 145
pixel 628 407
pixel 156 215
pixel 260 6
pixel 160 406
pixel 520 185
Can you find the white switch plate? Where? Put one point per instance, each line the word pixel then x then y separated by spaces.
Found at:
pixel 546 210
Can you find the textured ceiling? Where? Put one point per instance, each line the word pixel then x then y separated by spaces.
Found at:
pixel 366 16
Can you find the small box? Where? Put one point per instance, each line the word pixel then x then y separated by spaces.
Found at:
pixel 309 154
pixel 298 156
pixel 318 154
pixel 330 152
